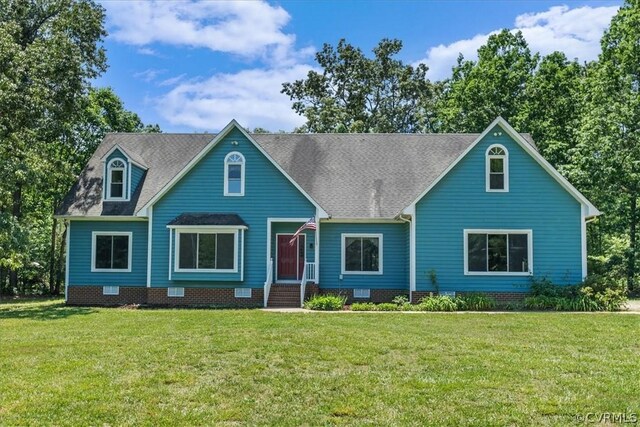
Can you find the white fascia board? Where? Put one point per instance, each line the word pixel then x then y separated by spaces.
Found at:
pixel 363 220
pixel 233 124
pixel 591 209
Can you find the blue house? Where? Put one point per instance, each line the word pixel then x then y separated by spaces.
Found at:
pixel 200 219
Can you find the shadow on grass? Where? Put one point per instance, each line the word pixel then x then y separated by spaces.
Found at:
pixel 41 310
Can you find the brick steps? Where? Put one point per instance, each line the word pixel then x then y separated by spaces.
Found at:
pixel 284 296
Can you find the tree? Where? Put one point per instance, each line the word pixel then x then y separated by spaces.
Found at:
pixel 552 107
pixel 354 93
pixel 493 86
pixel 607 159
pixel 49 50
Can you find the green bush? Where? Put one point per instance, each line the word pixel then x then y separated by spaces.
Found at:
pixel 387 306
pixel 600 292
pixel 437 303
pixel 363 306
pixel 475 302
pixel 400 300
pixel 328 302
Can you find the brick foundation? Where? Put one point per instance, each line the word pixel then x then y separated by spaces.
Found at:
pixel 500 297
pixel 377 295
pixel 92 295
pixel 193 297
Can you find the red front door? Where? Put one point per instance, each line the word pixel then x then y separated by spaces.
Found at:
pixel 290 257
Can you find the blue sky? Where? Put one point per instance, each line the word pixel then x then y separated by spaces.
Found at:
pixel 194 66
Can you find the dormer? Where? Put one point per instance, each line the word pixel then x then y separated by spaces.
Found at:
pixel 122 175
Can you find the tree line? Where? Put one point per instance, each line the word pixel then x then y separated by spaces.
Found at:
pixel 584 117
pixel 51 121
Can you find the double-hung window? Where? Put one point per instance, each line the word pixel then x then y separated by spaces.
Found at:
pixel 362 254
pixel 497 169
pixel 498 252
pixel 111 251
pixel 117 176
pixel 234 174
pixel 214 251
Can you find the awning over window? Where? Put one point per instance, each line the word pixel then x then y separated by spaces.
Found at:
pixel 206 218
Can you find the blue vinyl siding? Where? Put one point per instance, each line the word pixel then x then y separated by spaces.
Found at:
pixel 80 254
pixel 136 176
pixel 395 241
pixel 268 193
pixel 459 201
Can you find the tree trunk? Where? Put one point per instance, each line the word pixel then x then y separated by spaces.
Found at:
pixel 17 213
pixel 633 219
pixel 52 257
pixel 61 248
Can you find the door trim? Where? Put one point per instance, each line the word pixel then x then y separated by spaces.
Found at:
pixel 297 252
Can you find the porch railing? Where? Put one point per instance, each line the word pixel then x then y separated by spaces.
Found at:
pixel 268 282
pixel 310 272
pixel 303 285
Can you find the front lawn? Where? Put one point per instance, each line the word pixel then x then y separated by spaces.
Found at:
pixel 85 366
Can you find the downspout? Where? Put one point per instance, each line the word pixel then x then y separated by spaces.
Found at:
pixel 411 237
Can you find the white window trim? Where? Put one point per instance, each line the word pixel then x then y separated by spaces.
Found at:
pixel 175 292
pixel 111 290
pixel 206 230
pixel 238 292
pixel 95 234
pixel 505 160
pixel 126 172
pixel 529 234
pixel 226 174
pixel 362 293
pixel 343 238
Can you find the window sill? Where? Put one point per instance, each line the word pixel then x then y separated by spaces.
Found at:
pixel 111 270
pixel 201 270
pixel 497 273
pixel 362 273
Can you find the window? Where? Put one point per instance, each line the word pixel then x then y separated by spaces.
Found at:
pixel 498 252
pixel 175 292
pixel 234 174
pixel 206 251
pixel 362 253
pixel 242 292
pixel 497 169
pixel 116 172
pixel 111 290
pixel 362 293
pixel 111 251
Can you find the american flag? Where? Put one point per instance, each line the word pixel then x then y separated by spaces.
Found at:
pixel 309 225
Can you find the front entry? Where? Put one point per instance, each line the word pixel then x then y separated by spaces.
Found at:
pixel 290 258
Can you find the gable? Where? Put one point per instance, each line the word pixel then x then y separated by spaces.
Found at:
pixel 501 129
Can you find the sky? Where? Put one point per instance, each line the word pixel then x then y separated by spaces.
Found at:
pixel 192 66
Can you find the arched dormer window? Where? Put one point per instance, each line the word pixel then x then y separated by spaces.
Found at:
pixel 234 174
pixel 497 165
pixel 117 177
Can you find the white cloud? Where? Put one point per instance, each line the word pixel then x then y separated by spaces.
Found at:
pixel 576 32
pixel 247 28
pixel 148 75
pixel 172 80
pixel 252 97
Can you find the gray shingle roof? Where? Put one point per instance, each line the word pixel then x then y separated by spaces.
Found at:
pixel 207 218
pixel 348 175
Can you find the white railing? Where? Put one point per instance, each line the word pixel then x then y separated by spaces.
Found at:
pixel 303 285
pixel 310 272
pixel 268 282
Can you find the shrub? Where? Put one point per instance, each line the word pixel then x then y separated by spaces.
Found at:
pixel 400 300
pixel 597 293
pixel 363 306
pixel 387 306
pixel 475 302
pixel 328 302
pixel 437 303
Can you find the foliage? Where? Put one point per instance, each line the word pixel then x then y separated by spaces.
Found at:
pixel 363 306
pixel 387 306
pixel 400 300
pixel 475 302
pixel 354 93
pixel 437 303
pixel 596 293
pixel 326 302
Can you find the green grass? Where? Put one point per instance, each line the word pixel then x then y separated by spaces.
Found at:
pixel 84 366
